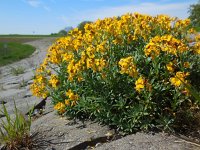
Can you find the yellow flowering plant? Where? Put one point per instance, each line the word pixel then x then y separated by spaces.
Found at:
pixel 123 71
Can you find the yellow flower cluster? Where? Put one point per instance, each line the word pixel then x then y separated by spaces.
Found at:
pixel 180 24
pixel 72 98
pixel 179 79
pixel 127 66
pixel 60 107
pixel 71 101
pixel 170 67
pixel 38 88
pixel 139 84
pixel 166 43
pixel 73 56
pixel 53 81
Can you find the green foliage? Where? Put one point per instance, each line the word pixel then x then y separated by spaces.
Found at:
pixel 15 130
pixel 194 11
pixel 192 90
pixel 11 52
pixel 62 32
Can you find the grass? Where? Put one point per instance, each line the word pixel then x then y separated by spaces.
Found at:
pixel 15 131
pixel 11 52
pixel 22 38
pixel 17 70
pixel 18 39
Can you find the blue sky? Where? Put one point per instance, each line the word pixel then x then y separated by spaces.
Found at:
pixel 50 16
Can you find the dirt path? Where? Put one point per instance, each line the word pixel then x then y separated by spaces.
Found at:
pixel 53 132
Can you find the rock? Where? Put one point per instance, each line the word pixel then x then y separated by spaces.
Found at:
pixel 38 108
pixel 2 147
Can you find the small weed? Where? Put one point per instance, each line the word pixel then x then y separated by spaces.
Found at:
pixel 1 87
pixel 15 132
pixel 22 84
pixel 18 70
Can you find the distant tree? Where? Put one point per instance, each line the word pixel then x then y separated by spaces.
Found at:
pixel 194 11
pixel 82 24
pixel 67 29
pixel 54 34
pixel 62 32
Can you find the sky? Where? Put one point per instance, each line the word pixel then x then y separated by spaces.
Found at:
pixel 51 16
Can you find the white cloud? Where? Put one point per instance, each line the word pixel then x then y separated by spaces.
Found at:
pixel 38 4
pixel 176 9
pixel 34 3
pixel 173 9
pixel 47 8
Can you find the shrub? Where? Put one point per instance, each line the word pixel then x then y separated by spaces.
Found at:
pixel 127 72
pixel 15 132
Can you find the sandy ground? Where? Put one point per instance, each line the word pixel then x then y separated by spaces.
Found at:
pixel 53 132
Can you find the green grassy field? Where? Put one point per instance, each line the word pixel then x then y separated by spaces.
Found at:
pixel 12 51
pixel 22 38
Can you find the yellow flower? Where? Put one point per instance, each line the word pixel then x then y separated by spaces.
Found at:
pixel 80 78
pixel 179 78
pixel 54 81
pixel 127 66
pixel 71 95
pixel 60 107
pixel 100 64
pixel 167 44
pixel 139 84
pixel 175 81
pixel 197 47
pixel 89 63
pixel 67 57
pixel 170 67
pixel 40 78
pixel 67 102
pixel 186 64
pixel 90 52
pixel 72 98
pixel 101 47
